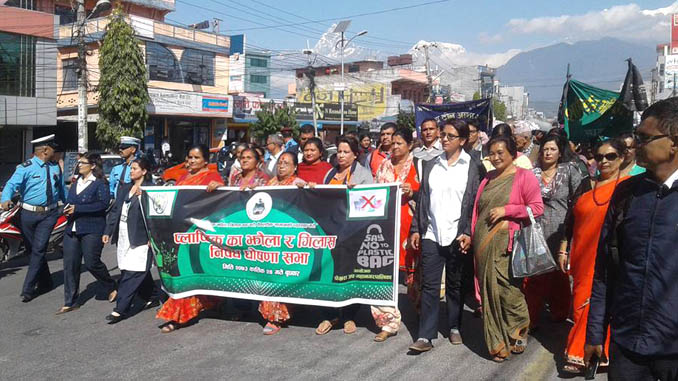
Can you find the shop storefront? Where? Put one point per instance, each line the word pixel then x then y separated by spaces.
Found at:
pixel 186 118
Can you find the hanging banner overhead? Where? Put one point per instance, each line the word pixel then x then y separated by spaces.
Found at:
pixel 327 246
pixel 479 110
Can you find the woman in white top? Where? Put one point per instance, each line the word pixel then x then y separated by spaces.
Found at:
pixel 125 227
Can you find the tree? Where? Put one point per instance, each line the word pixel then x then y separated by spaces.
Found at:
pixel 272 118
pixel 498 109
pixel 123 92
pixel 406 120
pixel 476 95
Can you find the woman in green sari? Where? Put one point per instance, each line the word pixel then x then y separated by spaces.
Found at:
pixel 500 207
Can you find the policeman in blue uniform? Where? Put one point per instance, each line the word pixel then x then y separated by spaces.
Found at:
pixel 129 148
pixel 41 186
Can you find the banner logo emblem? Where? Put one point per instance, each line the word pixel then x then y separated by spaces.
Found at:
pixel 161 203
pixel 259 206
pixel 367 203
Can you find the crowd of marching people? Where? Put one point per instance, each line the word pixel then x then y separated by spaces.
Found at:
pixel 608 212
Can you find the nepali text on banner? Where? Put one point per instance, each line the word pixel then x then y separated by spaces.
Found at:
pixel 327 246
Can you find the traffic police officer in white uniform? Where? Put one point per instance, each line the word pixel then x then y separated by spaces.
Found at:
pixel 129 148
pixel 41 185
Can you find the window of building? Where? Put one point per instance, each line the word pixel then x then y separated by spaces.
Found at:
pixel 70 74
pixel 353 68
pixel 255 78
pixel 162 64
pixel 198 67
pixel 258 62
pixel 17 65
pixel 25 4
pixel 66 14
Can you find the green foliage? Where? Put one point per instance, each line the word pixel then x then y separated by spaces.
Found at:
pixel 123 92
pixel 406 119
pixel 271 119
pixel 476 95
pixel 499 109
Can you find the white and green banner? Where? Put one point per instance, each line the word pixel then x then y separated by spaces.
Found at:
pixel 328 246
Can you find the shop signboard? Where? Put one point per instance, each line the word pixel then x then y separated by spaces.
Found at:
pixel 189 103
pixel 327 111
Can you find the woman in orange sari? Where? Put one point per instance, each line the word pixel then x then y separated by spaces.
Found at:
pixel 399 168
pixel 275 313
pixel 584 225
pixel 178 312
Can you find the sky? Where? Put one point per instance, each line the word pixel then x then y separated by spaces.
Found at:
pixel 489 31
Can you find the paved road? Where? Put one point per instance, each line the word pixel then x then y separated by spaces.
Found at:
pixel 36 344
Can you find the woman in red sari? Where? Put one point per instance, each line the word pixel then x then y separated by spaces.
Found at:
pixel 277 314
pixel 178 312
pixel 399 168
pixel 313 168
pixel 584 227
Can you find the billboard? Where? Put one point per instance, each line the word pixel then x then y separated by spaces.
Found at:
pixel 670 69
pixel 371 99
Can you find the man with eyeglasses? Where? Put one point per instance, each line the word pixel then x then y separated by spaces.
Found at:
pixel 129 147
pixel 635 290
pixel 629 166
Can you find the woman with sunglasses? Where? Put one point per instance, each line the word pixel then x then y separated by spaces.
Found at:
pixel 583 230
pixel 85 208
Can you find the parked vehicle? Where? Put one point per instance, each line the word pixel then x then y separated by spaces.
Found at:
pixel 11 240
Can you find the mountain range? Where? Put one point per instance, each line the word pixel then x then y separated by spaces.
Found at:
pixel 542 71
pixel 601 63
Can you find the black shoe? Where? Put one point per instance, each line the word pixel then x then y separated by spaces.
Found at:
pixel 112 319
pixel 151 304
pixel 25 298
pixel 421 346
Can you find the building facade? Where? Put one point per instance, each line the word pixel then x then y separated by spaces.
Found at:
pixel 27 79
pixel 188 79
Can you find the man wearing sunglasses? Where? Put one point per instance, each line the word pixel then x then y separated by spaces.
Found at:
pixel 634 286
pixel 129 147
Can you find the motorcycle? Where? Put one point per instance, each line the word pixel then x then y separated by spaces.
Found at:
pixel 11 240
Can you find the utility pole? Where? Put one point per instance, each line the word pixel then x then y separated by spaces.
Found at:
pixel 101 6
pixel 343 84
pixel 310 73
pixel 82 78
pixel 429 77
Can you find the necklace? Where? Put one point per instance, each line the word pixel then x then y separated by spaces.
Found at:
pixel 595 187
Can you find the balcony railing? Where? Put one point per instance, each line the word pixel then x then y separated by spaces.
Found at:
pixel 149 28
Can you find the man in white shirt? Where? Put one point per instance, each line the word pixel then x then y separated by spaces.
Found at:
pixel 441 227
pixel 274 146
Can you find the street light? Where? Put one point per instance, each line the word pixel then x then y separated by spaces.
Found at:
pixel 341 28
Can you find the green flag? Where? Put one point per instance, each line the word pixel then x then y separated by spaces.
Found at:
pixel 592 112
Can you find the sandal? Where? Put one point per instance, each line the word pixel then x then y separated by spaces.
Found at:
pixel 271 328
pixel 573 368
pixel 325 326
pixel 349 327
pixel 519 346
pixel 168 327
pixel 498 359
